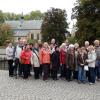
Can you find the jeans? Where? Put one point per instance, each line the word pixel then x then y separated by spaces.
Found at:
pixel 97 69
pixel 18 67
pixel 81 74
pixel 91 75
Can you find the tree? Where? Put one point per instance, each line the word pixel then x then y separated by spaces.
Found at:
pixel 1 17
pixel 54 25
pixel 5 33
pixel 87 13
pixel 34 15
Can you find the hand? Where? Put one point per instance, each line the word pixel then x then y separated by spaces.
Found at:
pixel 82 64
pixel 60 64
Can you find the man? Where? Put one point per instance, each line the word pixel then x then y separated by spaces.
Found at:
pixel 16 55
pixel 97 49
pixel 52 46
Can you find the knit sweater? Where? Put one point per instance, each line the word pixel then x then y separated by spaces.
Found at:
pixel 9 53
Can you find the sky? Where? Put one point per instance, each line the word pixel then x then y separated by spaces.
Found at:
pixel 26 6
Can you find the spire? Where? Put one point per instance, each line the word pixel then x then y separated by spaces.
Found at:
pixel 22 18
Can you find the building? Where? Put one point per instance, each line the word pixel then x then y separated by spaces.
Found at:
pixel 30 29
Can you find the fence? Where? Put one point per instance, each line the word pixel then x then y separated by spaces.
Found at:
pixel 3 60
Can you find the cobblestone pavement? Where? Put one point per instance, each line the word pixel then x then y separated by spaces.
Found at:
pixel 19 89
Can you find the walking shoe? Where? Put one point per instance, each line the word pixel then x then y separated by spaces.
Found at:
pixel 79 82
pixel 98 80
pixel 91 83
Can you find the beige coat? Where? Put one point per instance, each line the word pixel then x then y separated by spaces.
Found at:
pixel 91 59
pixel 35 60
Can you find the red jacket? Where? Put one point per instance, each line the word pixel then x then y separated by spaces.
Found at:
pixel 26 56
pixel 62 57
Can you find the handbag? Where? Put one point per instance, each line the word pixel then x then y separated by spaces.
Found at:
pixel 86 68
pixel 22 61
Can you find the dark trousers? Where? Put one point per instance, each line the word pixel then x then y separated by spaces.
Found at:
pixel 26 68
pixel 54 73
pixel 36 72
pixel 68 74
pixel 10 67
pixel 40 69
pixel 97 70
pixel 46 70
pixel 63 70
pixel 92 75
pixel 75 75
pixel 18 67
pixel 29 71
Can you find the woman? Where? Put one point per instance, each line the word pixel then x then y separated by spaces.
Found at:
pixel 45 60
pixel 25 59
pixel 91 63
pixel 35 61
pixel 71 62
pixel 55 59
pixel 63 60
pixel 97 50
pixel 82 56
pixel 75 73
pixel 9 54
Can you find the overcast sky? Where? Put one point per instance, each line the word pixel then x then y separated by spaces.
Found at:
pixel 26 6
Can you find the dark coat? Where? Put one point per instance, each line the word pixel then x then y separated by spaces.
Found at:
pixel 71 60
pixel 81 60
pixel 55 59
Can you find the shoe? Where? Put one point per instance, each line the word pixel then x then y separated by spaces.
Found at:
pixel 84 82
pixel 79 82
pixel 98 80
pixel 10 75
pixel 68 80
pixel 91 83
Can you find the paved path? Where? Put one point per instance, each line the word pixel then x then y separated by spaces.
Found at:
pixel 19 89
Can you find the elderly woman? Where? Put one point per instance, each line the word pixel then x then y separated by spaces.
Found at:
pixel 70 62
pixel 35 61
pixel 91 63
pixel 45 60
pixel 75 74
pixel 25 59
pixel 63 59
pixel 97 49
pixel 86 44
pixel 9 54
pixel 81 60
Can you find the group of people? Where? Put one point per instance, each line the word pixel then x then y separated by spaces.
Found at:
pixel 69 61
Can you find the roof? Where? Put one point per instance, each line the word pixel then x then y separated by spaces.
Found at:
pixel 21 33
pixel 23 24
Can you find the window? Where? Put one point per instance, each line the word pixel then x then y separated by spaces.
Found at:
pixel 37 36
pixel 32 36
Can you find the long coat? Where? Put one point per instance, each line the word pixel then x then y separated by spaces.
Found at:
pixel 55 59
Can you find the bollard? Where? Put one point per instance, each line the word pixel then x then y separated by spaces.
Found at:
pixel 4 63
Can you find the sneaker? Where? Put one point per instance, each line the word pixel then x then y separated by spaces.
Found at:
pixel 91 83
